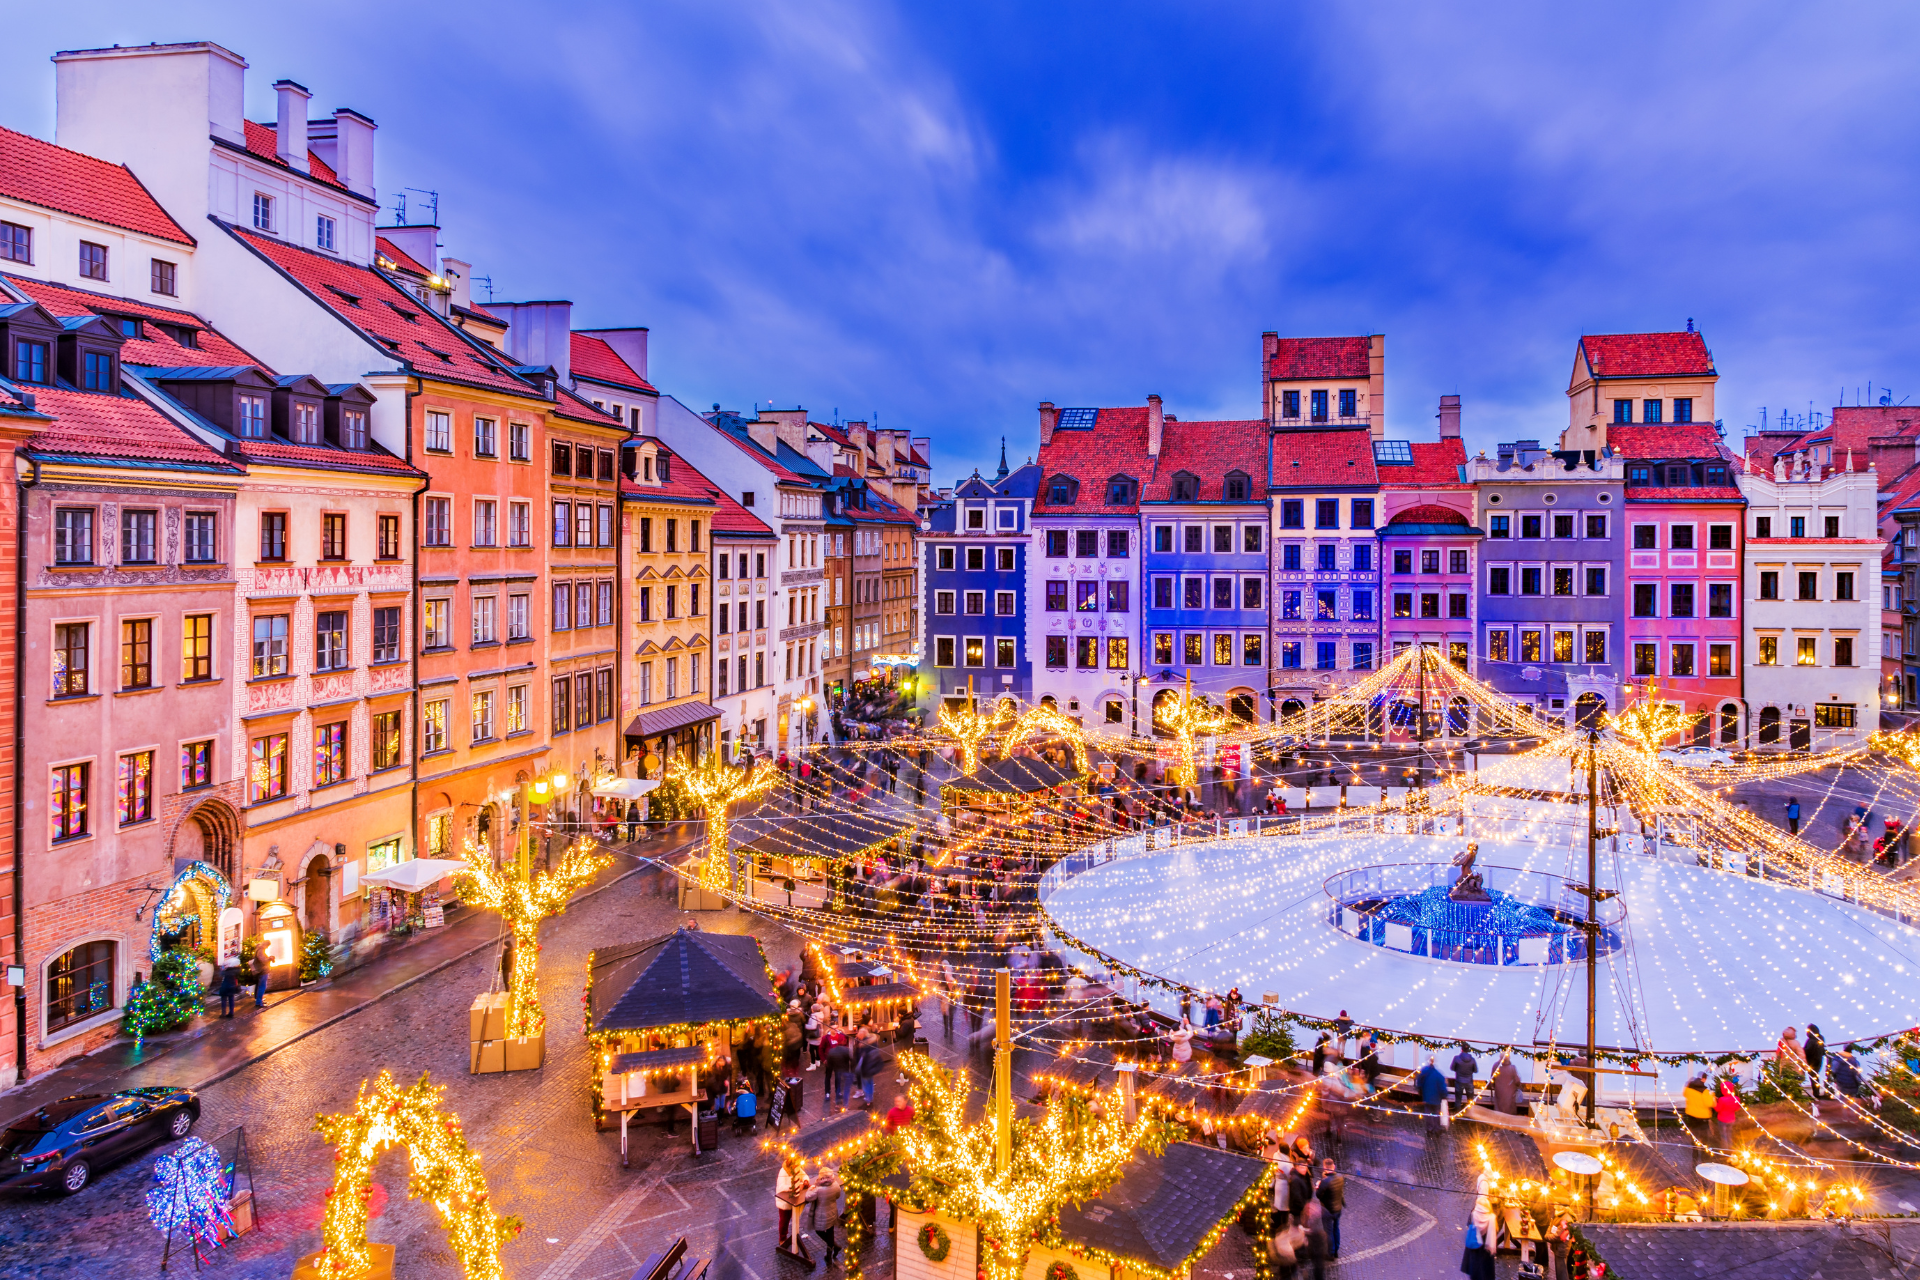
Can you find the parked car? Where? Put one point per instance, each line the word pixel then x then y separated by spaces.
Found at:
pixel 1698 757
pixel 65 1143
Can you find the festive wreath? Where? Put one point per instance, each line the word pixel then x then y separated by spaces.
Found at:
pixel 1062 1271
pixel 934 1242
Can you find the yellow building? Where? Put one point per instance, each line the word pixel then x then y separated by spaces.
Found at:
pixel 667 514
pixel 1325 382
pixel 1640 378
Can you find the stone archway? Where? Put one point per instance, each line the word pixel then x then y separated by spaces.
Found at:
pixel 316 905
pixel 210 833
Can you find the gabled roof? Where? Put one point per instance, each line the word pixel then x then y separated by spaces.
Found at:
pixel 263 142
pixel 568 405
pixel 1435 464
pixel 393 319
pixel 39 173
pixel 155 346
pixel 684 482
pixel 275 450
pixel 1209 451
pixel 1647 355
pixel 593 358
pixel 688 977
pixel 1323 458
pixel 401 259
pixel 115 428
pixel 1668 440
pixel 1114 444
pixel 1756 1250
pixel 1163 1208
pixel 1296 358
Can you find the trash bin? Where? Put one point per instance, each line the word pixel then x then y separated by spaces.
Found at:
pixel 709 1131
pixel 796 1094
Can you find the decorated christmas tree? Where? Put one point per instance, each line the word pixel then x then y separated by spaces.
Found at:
pixel 169 999
pixel 316 957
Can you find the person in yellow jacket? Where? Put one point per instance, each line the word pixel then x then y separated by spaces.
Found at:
pixel 1699 1102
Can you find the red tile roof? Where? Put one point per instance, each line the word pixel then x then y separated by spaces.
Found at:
pixel 593 358
pixel 154 346
pixel 39 173
pixel 284 453
pixel 1429 513
pixel 434 348
pixel 1665 440
pixel 1320 358
pixel 727 516
pixel 1434 464
pixel 1318 459
pixel 568 405
pixel 263 140
pixel 96 425
pixel 1116 445
pixel 480 311
pixel 1208 450
pixel 1646 355
pixel 1685 493
pixel 404 261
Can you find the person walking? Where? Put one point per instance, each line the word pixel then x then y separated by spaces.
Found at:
pixel 872 1061
pixel 1433 1091
pixel 825 1203
pixel 1506 1086
pixel 229 990
pixel 262 965
pixel 1320 1056
pixel 1332 1194
pixel 1464 1066
pixel 1815 1049
pixel 1314 1223
pixel 1476 1260
pixel 1343 1027
pixel 1793 817
pixel 815 1021
pixel 839 1059
pixel 1846 1072
pixel 1726 1109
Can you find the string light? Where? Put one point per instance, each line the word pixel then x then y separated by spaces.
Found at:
pixel 717 786
pixel 1186 715
pixel 1044 720
pixel 190 1193
pixel 523 902
pixel 968 728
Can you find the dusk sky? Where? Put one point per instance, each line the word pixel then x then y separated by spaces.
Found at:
pixel 944 214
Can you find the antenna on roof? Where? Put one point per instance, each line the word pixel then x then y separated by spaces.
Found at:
pixel 487 281
pixel 1689 324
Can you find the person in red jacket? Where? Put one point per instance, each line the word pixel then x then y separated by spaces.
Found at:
pixel 1726 1109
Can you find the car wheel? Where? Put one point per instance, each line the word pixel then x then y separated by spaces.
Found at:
pixel 182 1123
pixel 75 1177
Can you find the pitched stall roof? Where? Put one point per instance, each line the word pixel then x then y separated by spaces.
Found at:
pixel 593 358
pixel 1755 1250
pixel 1323 458
pixel 688 977
pixel 818 838
pixel 1113 442
pixel 1298 358
pixel 1210 451
pixel 392 318
pixel 97 426
pixel 1647 355
pixel 1162 1208
pixel 155 346
pixel 40 173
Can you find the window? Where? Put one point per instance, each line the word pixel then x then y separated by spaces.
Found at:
pixel 1290 655
pixel 1222 649
pixel 196 765
pixel 1290 556
pixel 1292 513
pixel 1529 526
pixel 1563 526
pixel 273 535
pixel 136 536
pixel 1681 660
pixel 435 632
pixel 251 417
pixel 269 645
pixel 1645 595
pixel 1763 526
pixel 386 634
pixel 1796 526
pixel 1349 406
pixel 1680 600
pixel 1194 593
pixel 583 464
pixel 1843 586
pixel 520 442
pixel 1806 652
pixel 203 543
pixel 1324 560
pixel 136 653
pixel 1680 537
pixel 1623 411
pixel 1809 586
pixel 98 373
pixel 1719 600
pixel 29 361
pixel 1318 401
pixel 563 606
pixel 1223 593
pixel 1529 580
pixel 1056 599
pixel 1498 643
pixel 1456 562
pixel 433 725
pixel 333 535
pixel 133 792
pixel 1497 526
pixel 1646 536
pixel 485 619
pixel 976 651
pixel 1499 580
pixel 196 647
pixel 16 242
pixel 484 521
pixel 93 260
pixel 1720 660
pixel 80 984
pixel 1596 526
pixel 1456 606
pixel 1650 411
pixel 306 423
pixel 1596 646
pixel 482 715
pixel 583 526
pixel 606 530
pixel 562 458
pixel 1834 715
pixel 519 524
pixel 386 740
pixel 1403 604
pixel 603 687
pixel 1326 605
pixel 976 556
pixel 1362 607
pixel 1429 604
pixel 1362 655
pixel 1250 592
pixel 1326 513
pixel 1769 585
pixel 267 767
pixel 1843 651
pixel 1563 646
pixel 1769 651
pixel 1403 561
pixel 1193 539
pixel 329 753
pixel 323 232
pixel 603 603
pixel 1119 545
pixel 1719 537
pixel 1596 580
pixel 68 807
pixel 1163 593
pixel 262 211
pixel 563 526
pixel 1117 593
pixel 1646 659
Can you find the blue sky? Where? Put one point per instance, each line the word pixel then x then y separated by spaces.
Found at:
pixel 944 214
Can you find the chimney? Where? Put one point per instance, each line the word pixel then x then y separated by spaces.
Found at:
pixel 1156 419
pixel 421 243
pixel 922 445
pixel 290 131
pixel 353 151
pixel 763 433
pixel 789 426
pixel 1377 385
pixel 1449 417
pixel 629 344
pixel 538 333
pixel 1049 416
pixel 1269 347
pixel 456 273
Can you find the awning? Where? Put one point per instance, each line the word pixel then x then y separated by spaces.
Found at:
pixel 415 874
pixel 651 724
pixel 626 788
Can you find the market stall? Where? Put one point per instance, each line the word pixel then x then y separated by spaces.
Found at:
pixel 413 889
pixel 795 859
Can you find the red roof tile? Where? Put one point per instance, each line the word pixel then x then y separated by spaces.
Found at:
pixel 1685 493
pixel 1434 464
pixel 1320 358
pixel 154 346
pixel 1209 451
pixel 1318 459
pixel 568 405
pixel 1429 513
pixel 263 140
pixel 282 453
pixel 404 261
pixel 51 177
pixel 1116 445
pixel 593 358
pixel 480 311
pixel 1646 355
pixel 1668 440
pixel 434 348
pixel 92 424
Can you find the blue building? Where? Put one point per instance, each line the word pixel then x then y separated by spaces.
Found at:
pixel 973 562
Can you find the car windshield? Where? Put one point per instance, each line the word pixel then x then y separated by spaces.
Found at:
pixel 18 1143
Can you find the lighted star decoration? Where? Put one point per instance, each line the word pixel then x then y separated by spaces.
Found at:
pixel 523 902
pixel 1187 716
pixel 716 787
pixel 1650 722
pixel 445 1173
pixel 1043 720
pixel 1070 1155
pixel 969 728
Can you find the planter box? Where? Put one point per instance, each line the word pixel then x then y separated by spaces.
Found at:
pixel 529 1054
pixel 382 1268
pixel 241 1210
pixel 487 1018
pixel 486 1057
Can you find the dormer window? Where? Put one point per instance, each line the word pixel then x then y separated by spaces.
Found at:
pixel 96 373
pixel 262 212
pixel 1236 488
pixel 306 423
pixel 1120 491
pixel 666 471
pixel 127 325
pixel 353 428
pixel 93 260
pixel 250 420
pixel 29 361
pixel 1639 475
pixel 1062 490
pixel 189 338
pixel 1186 487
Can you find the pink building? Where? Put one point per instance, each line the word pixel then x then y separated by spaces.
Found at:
pixel 1429 552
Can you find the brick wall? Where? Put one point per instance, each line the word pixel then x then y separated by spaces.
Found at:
pixel 9 736
pixel 56 927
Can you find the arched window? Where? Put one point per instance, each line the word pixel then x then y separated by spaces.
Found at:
pixel 1730 722
pixel 80 984
pixel 1241 707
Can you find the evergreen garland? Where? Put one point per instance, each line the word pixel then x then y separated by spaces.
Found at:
pixel 934 1242
pixel 1062 1271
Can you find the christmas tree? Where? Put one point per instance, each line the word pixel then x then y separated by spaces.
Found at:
pixel 316 957
pixel 170 999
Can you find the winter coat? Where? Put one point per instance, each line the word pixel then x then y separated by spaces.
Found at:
pixel 1433 1085
pixel 1506 1087
pixel 1464 1065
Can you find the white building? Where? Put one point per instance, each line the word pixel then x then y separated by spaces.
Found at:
pixel 1812 606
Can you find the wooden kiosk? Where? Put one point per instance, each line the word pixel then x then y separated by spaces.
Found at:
pixel 795 861
pixel 661 1012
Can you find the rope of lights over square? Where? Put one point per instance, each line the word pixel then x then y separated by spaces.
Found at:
pixel 523 902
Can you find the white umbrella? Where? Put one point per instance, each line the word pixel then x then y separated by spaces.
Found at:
pixel 414 875
pixel 626 788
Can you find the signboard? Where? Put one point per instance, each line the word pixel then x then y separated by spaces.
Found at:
pixel 436 916
pixel 233 924
pixel 1230 756
pixel 349 879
